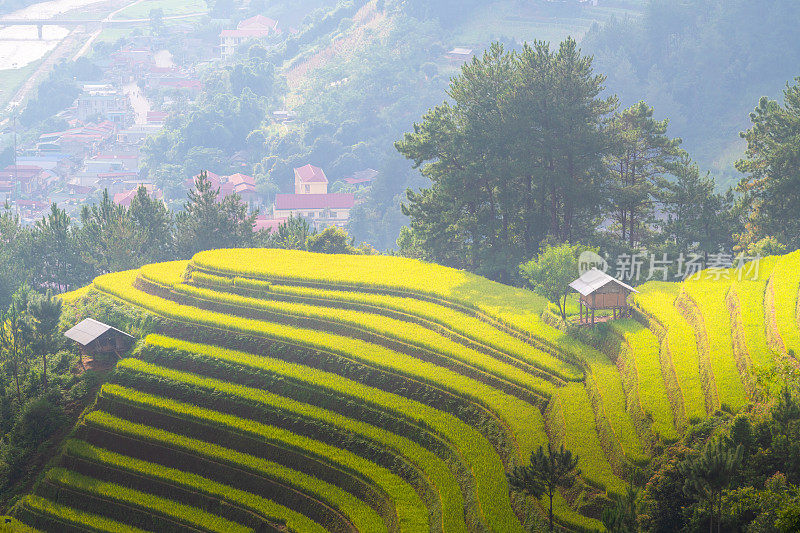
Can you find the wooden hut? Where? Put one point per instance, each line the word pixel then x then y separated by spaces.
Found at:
pixel 598 290
pixel 96 337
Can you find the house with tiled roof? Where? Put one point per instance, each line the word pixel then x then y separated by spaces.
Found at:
pixel 362 178
pixel 257 27
pixel 241 184
pixel 312 201
pixel 124 198
pixel 309 179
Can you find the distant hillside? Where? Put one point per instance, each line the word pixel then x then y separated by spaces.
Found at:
pixel 703 64
pixel 281 389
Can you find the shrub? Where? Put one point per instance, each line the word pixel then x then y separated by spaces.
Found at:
pixel 37 420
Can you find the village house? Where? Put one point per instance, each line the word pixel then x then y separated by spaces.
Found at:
pixel 362 178
pixel 57 162
pixel 312 201
pixel 136 134
pixel 310 180
pixel 106 101
pixel 270 225
pixel 79 142
pixel 117 182
pixel 283 116
pixel 258 27
pixel 112 162
pixel 29 211
pixel 124 198
pixel 157 117
pixel 96 337
pixel 241 184
pixel 27 180
pixel 460 54
pixel 128 64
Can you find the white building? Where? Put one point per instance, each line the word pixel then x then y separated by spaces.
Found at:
pixel 257 27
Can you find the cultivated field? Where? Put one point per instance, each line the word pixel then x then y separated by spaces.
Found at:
pixel 278 390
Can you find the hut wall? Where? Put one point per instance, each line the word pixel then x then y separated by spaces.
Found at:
pixel 605 300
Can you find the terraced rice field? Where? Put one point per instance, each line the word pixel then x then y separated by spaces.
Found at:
pixel 286 391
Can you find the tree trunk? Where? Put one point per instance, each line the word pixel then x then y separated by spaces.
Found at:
pixel 550 513
pixel 711 515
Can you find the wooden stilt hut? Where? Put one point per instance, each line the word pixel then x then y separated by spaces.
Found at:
pixel 597 291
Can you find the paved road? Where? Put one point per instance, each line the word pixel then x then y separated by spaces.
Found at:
pixel 138 101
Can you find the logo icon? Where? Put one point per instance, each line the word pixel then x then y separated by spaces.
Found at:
pixel 589 260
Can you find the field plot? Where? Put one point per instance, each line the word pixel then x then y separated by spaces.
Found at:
pixel 656 301
pixel 785 285
pixel 651 389
pixel 748 297
pixel 713 325
pixel 285 391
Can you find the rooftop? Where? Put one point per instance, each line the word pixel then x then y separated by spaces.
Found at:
pixel 310 174
pixel 89 330
pixel 594 279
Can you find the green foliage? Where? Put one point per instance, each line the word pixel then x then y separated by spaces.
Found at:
pixel 708 474
pixel 623 516
pixel 492 201
pixel 701 219
pixel 292 234
pixel 771 168
pixel 38 419
pixel 639 162
pixel 765 247
pixel 59 90
pixel 331 240
pixel 208 222
pixel 551 272
pixel 118 238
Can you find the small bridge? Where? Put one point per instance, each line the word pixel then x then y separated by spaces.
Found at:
pixel 41 23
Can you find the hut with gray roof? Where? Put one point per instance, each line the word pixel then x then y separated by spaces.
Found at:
pixel 95 337
pixel 597 291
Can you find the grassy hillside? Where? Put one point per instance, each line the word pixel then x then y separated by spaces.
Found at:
pixel 278 390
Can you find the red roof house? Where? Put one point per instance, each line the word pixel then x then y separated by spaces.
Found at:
pixel 268 224
pixel 309 179
pixel 125 198
pixel 314 201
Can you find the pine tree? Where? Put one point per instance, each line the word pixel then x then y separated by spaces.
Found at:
pixel 545 474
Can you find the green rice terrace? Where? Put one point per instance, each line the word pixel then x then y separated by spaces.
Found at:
pixel 278 390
